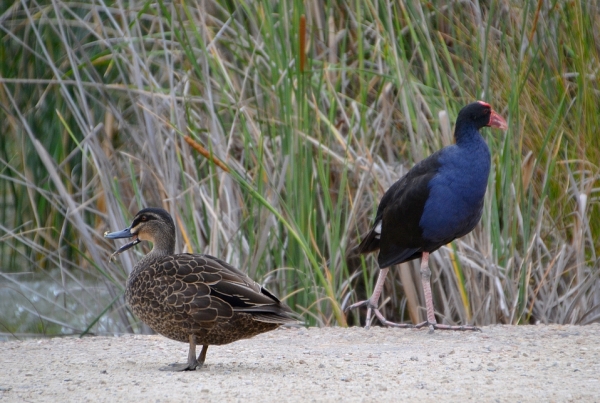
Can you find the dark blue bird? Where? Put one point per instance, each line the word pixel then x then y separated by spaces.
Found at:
pixel 438 200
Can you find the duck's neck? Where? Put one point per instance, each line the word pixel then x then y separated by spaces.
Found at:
pixel 162 247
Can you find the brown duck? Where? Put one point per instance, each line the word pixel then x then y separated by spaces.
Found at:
pixel 193 298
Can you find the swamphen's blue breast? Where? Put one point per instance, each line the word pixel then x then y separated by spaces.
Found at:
pixel 456 192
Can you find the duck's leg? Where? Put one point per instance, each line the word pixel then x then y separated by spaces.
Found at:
pixel 431 322
pixel 372 304
pixel 192 362
pixel 202 355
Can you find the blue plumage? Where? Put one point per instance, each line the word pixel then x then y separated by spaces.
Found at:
pixel 456 192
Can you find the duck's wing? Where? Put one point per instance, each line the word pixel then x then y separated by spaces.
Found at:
pixel 209 289
pixel 246 295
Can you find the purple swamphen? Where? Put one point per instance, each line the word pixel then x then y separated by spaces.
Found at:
pixel 438 200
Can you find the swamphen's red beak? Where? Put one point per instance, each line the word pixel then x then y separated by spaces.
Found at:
pixel 497 121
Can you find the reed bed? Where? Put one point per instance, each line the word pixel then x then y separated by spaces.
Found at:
pixel 271 129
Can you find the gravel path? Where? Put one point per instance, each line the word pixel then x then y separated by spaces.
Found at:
pixel 502 363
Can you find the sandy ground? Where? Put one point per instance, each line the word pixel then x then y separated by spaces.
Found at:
pixel 501 364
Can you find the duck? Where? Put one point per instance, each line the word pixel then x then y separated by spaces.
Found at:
pixel 440 199
pixel 193 298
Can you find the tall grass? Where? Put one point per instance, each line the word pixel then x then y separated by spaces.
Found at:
pixel 270 130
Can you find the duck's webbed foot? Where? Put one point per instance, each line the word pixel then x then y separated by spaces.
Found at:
pixel 192 363
pixel 178 367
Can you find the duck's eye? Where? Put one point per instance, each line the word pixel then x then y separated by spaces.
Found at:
pixel 143 218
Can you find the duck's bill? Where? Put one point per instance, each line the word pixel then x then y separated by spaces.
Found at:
pixel 126 233
pixel 497 121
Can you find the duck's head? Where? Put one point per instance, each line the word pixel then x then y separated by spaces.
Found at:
pixel 150 224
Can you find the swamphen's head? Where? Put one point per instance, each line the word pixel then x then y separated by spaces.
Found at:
pixel 477 115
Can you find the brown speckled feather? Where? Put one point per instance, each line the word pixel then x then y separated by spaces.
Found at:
pixel 181 294
pixel 194 298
